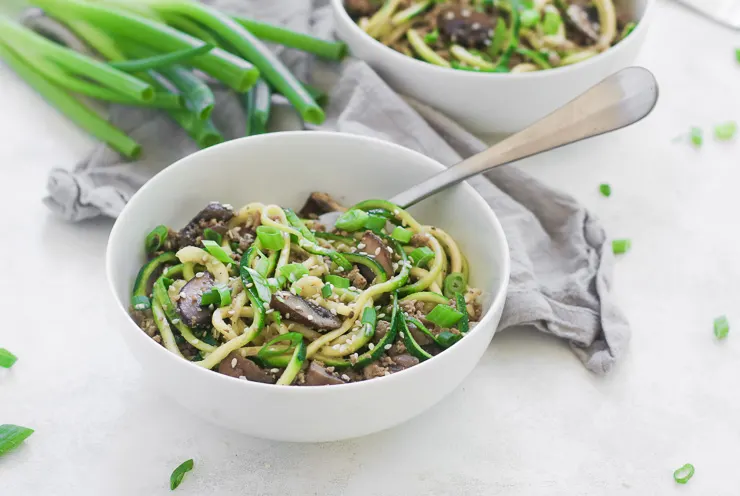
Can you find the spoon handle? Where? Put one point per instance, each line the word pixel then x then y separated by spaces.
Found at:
pixel 616 102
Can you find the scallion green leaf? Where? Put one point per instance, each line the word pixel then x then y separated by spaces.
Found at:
pixel 721 327
pixel 11 436
pixel 338 281
pixel 293 272
pixel 7 359
pixel 163 60
pixel 431 37
pixel 696 135
pixel 725 131
pixel 219 295
pixel 326 291
pixel 375 223
pixel 155 239
pixel 683 474
pixel 271 238
pixel 620 246
pixel 179 473
pixel 454 283
pixel 421 256
pixel 446 338
pixel 605 189
pixel 444 316
pixel 529 18
pixel 352 220
pixel 737 55
pixel 551 22
pixel 217 252
pixel 402 235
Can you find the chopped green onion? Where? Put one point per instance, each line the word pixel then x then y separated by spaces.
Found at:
pixel 551 23
pixel 446 338
pixel 737 55
pixel 620 246
pixel 140 302
pixel 352 220
pixel 165 60
pixel 7 359
pixel 260 284
pixel 725 131
pixel 293 272
pixel 220 295
pixel 471 59
pixel 155 239
pixel 605 189
pixel 721 327
pixel 696 135
pixel 271 238
pixel 338 281
pixel 212 235
pixel 326 291
pixel 683 474
pixel 529 18
pixel 431 37
pixel 217 252
pixel 444 316
pixel 421 256
pixel 500 38
pixel 453 284
pixel 375 223
pixel 402 235
pixel 298 224
pixel 11 436
pixel 464 325
pixel 369 316
pixel 179 473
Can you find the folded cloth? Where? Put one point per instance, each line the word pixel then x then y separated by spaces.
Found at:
pixel 561 264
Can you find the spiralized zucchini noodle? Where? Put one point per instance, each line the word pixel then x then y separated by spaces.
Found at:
pixel 494 35
pixel 267 295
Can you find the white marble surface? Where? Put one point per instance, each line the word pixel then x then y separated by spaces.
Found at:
pixel 529 421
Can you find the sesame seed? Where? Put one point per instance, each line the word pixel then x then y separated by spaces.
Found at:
pixel 343 347
pixel 335 347
pixel 242 378
pixel 386 372
pixel 205 258
pixel 228 206
pixel 287 315
pixel 377 250
pixel 403 336
pixel 268 312
pixel 309 317
pixel 345 377
pixel 330 369
pixel 231 312
pixel 465 12
pixel 380 316
pixel 487 42
pixel 266 305
pixel 449 16
pixel 390 250
pixel 490 33
pixel 361 246
pixel 377 307
pixel 475 25
pixel 183 295
pixel 233 363
pixel 389 346
pixel 211 307
pixel 333 311
pixel 354 355
pixel 175 321
pixel 371 346
pixel 140 306
pixel 228 267
pixel 195 341
pixel 249 285
pixel 274 371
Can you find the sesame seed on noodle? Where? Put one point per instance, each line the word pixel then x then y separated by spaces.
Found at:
pixel 233 363
pixel 449 16
pixel 274 371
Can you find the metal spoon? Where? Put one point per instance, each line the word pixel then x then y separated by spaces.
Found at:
pixel 621 99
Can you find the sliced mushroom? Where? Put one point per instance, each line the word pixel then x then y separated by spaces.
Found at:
pixel 235 365
pixel 188 306
pixel 464 26
pixel 362 8
pixel 316 375
pixel 580 18
pixel 402 362
pixel 304 312
pixel 375 247
pixel 214 214
pixel 320 203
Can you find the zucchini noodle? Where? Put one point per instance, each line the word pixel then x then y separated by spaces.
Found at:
pixel 198 255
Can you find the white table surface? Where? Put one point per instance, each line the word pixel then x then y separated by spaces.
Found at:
pixel 530 420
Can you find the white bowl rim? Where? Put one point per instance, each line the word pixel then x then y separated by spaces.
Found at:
pixel 497 302
pixel 641 26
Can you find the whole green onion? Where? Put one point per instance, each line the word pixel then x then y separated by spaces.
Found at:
pixel 217 252
pixel 199 98
pixel 271 238
pixel 444 316
pixel 338 281
pixel 352 220
pixel 11 436
pixel 293 272
pixel 164 60
pixel 721 327
pixel 683 474
pixel 179 473
pixel 421 256
pixel 156 239
pixel 402 235
pixel 258 103
pixel 7 359
pixel 454 283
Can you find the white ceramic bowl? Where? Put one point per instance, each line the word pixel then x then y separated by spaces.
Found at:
pixel 284 168
pixel 488 102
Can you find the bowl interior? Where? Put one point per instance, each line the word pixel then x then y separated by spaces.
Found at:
pixel 284 168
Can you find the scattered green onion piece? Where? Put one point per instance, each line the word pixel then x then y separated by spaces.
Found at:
pixel 529 18
pixel 696 135
pixel 165 60
pixel 737 55
pixel 500 37
pixel 266 265
pixel 725 131
pixel 432 37
pixel 352 220
pixel 683 474
pixel 445 339
pixel 326 291
pixel 179 473
pixel 721 327
pixel 260 285
pixel 11 436
pixel 155 239
pixel 338 281
pixel 444 316
pixel 620 246
pixel 212 235
pixel 7 359
pixel 402 235
pixel 464 325
pixel 551 23
pixel 605 189
pixel 422 256
pixel 271 238
pixel 219 253
pixel 375 223
pixel 369 316
pixel 454 283
pixel 423 50
pixel 293 272
pixel 536 57
pixel 220 296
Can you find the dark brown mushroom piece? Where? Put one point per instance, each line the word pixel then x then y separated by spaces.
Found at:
pixel 316 375
pixel 403 362
pixel 464 26
pixel 215 215
pixel 585 20
pixel 320 203
pixel 188 305
pixel 235 365
pixel 362 8
pixel 304 312
pixel 376 248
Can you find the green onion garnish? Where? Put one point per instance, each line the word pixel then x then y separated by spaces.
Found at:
pixel 220 295
pixel 369 316
pixel 352 220
pixel 721 328
pixel 551 23
pixel 696 135
pixel 212 235
pixel 338 281
pixel 375 223
pixel 421 256
pixel 11 436
pixel 464 325
pixel 402 235
pixel 431 37
pixel 293 272
pixel 217 252
pixel 620 246
pixel 179 473
pixel 7 359
pixel 737 55
pixel 529 18
pixel 454 283
pixel 271 238
pixel 261 285
pixel 725 131
pixel 446 338
pixel 683 474
pixel 155 239
pixel 140 302
pixel 326 291
pixel 444 316
pixel 605 189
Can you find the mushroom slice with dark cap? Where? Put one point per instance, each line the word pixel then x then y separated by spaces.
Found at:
pixel 582 20
pixel 362 8
pixel 188 305
pixel 464 26
pixel 316 375
pixel 304 312
pixel 214 211
pixel 320 203
pixel 376 248
pixel 235 365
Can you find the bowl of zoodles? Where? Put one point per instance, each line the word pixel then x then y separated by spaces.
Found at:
pixel 493 65
pixel 235 298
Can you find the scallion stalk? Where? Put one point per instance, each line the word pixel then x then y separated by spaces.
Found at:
pixel 164 60
pixel 198 97
pixel 444 316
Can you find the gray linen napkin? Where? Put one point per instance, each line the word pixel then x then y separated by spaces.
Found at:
pixel 561 264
